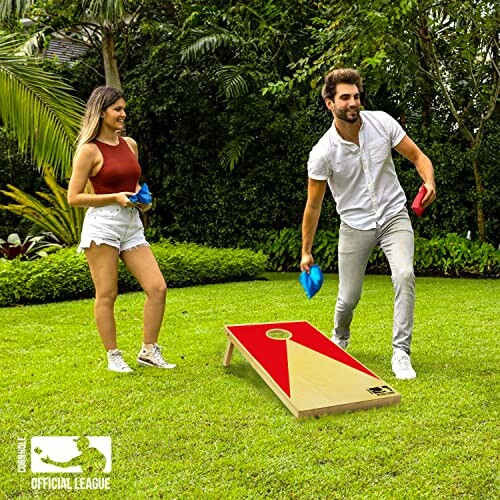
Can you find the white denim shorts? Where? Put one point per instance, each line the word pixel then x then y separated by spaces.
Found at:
pixel 114 225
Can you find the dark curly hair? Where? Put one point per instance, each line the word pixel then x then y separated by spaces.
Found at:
pixel 344 75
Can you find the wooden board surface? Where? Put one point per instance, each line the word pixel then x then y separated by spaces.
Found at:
pixel 308 372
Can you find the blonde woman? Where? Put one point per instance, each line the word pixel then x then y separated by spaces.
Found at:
pixel 112 228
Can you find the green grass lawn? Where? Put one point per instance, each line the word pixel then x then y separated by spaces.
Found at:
pixel 205 431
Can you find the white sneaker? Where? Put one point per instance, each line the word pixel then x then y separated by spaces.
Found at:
pixel 153 357
pixel 116 362
pixel 401 365
pixel 341 343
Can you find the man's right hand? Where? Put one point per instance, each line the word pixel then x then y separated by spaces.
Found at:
pixel 306 262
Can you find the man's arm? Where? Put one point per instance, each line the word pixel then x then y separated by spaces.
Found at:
pixel 423 165
pixel 315 194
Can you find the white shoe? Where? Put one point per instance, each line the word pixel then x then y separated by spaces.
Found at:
pixel 116 362
pixel 153 357
pixel 401 365
pixel 341 343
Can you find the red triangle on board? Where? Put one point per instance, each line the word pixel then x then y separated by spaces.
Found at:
pixel 269 353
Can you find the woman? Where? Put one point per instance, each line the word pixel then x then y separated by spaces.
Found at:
pixel 112 228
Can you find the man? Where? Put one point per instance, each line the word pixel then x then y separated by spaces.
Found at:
pixel 354 158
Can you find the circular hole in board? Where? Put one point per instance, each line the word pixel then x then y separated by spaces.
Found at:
pixel 278 334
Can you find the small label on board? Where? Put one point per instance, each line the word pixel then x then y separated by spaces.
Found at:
pixel 382 390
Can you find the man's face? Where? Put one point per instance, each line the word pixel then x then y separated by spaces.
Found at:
pixel 346 103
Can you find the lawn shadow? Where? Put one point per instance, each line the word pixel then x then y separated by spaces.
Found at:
pixel 244 371
pixel 377 363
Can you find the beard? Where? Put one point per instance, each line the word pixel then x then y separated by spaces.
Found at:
pixel 350 115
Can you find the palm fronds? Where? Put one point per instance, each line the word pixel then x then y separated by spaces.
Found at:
pixel 232 81
pixel 37 107
pixel 58 217
pixel 202 41
pixel 107 11
pixel 234 150
pixel 9 8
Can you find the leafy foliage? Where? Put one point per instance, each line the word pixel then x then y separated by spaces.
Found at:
pixel 452 255
pixel 262 142
pixel 244 46
pixel 234 150
pixel 37 107
pixel 203 41
pixel 92 22
pixel 32 247
pixel 227 164
pixel 456 256
pixel 450 52
pixel 65 275
pixel 17 169
pixel 57 217
pixel 9 8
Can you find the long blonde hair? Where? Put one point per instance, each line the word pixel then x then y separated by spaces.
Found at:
pixel 100 99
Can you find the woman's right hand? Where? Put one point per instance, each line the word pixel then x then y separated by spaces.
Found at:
pixel 123 199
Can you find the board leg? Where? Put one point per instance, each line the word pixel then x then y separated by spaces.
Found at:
pixel 228 354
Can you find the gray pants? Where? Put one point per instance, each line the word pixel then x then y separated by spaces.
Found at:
pixel 395 238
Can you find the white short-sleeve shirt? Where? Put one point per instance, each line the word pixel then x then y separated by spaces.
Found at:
pixel 362 178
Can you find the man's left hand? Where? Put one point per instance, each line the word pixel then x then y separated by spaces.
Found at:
pixel 430 196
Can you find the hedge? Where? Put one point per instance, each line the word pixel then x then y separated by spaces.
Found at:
pixel 451 255
pixel 64 275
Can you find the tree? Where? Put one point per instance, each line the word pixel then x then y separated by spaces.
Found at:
pixel 449 65
pixel 37 107
pixel 241 47
pixel 39 110
pixel 92 22
pixel 460 42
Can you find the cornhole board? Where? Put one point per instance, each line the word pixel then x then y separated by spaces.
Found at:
pixel 306 370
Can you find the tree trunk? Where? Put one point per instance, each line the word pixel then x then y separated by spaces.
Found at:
pixel 109 57
pixel 427 83
pixel 481 229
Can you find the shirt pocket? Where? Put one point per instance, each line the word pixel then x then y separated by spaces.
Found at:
pixel 380 152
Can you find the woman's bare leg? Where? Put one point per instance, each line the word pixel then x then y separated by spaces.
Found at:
pixel 103 263
pixel 142 264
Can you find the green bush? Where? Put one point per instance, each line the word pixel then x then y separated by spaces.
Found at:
pixel 283 249
pixel 452 255
pixel 64 275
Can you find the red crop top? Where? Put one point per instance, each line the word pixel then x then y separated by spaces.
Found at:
pixel 120 169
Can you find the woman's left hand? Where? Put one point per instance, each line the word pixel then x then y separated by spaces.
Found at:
pixel 143 207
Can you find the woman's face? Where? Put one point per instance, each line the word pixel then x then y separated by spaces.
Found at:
pixel 113 116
